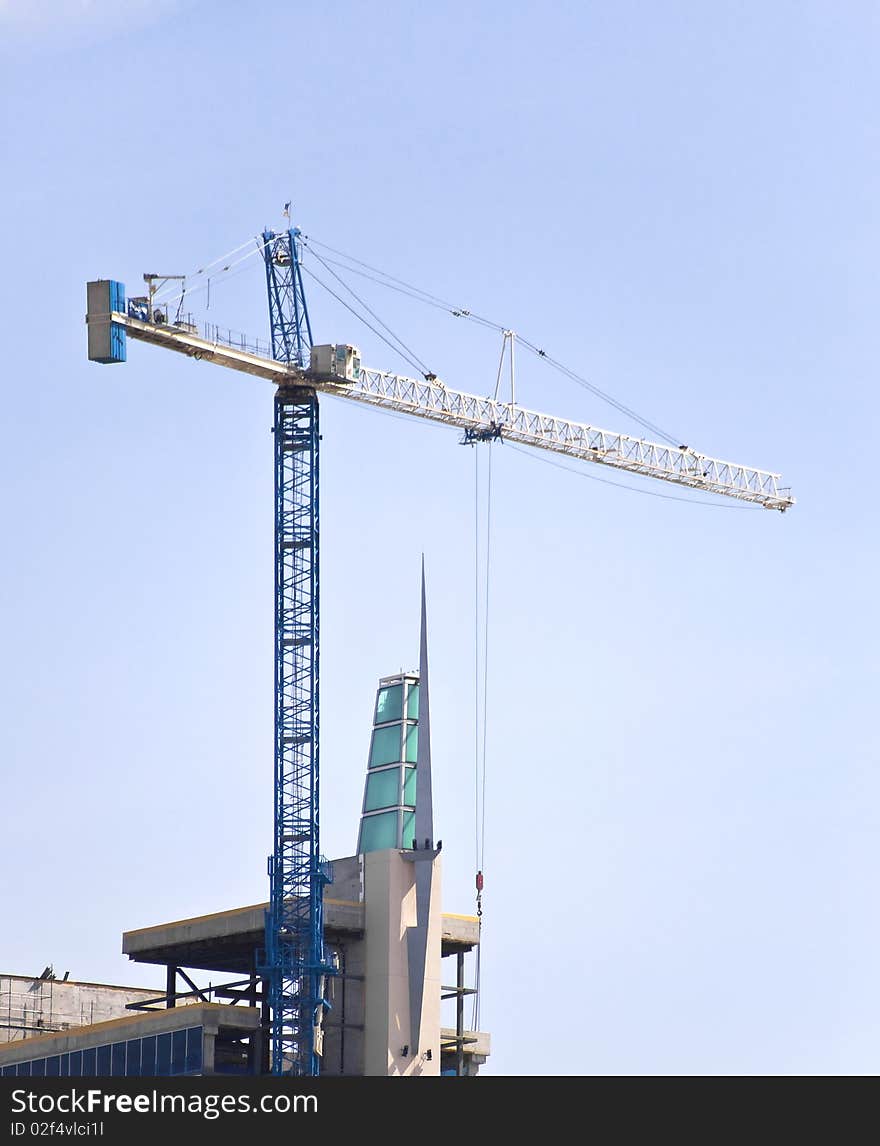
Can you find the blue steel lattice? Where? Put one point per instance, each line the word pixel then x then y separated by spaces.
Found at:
pixel 288 313
pixel 294 963
pixel 294 939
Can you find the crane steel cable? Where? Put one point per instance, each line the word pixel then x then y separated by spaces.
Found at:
pixel 551 361
pixel 428 300
pixel 159 297
pixel 390 285
pixel 310 239
pixel 204 270
pixel 481 693
pixel 463 312
pixel 477 722
pixel 408 289
pixel 620 485
pixel 361 318
pixel 486 658
pixel 426 370
pixel 559 465
pixel 593 389
pixel 420 295
pixel 477 662
pixel 409 355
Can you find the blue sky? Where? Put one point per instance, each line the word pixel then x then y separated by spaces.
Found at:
pixel 678 201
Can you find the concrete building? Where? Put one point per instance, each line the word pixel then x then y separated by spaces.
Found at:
pixel 84 1029
pixel 398 957
pixel 37 1006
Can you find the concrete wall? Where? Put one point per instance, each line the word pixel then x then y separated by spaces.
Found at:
pixel 390 899
pixel 30 1007
pixel 344 1022
pixel 215 1019
pixel 348 880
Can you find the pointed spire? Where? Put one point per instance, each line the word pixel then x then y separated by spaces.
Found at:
pixel 417 937
pixel 424 820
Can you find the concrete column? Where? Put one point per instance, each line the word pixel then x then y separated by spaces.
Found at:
pixel 390 910
pixel 208 1052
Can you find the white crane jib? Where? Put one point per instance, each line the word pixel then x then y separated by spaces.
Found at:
pixel 481 419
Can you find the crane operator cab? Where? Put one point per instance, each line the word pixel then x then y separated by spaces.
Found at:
pixel 336 363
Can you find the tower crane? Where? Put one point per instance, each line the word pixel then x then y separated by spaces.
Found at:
pixel 293 962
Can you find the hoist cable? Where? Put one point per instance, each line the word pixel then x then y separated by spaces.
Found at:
pixel 482 613
pixel 488 547
pixel 476 660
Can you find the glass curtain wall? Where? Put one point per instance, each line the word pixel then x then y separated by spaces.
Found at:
pixel 388 813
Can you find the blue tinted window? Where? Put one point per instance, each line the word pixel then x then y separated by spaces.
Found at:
pixel 163 1054
pixel 389 704
pixel 148 1056
pixel 102 1069
pixel 378 832
pixel 8 1070
pixel 89 1063
pixel 64 1065
pixel 178 1052
pixel 75 1064
pixel 383 789
pixel 23 1068
pixel 133 1058
pixel 52 1066
pixel 194 1050
pixel 38 1067
pixel 117 1062
pixel 385 747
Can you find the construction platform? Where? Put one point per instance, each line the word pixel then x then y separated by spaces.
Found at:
pixel 226 940
pixel 227 943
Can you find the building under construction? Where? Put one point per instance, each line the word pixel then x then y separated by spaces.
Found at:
pixel 384 999
pixel 346 968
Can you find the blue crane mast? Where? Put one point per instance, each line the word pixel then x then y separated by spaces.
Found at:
pixel 294 961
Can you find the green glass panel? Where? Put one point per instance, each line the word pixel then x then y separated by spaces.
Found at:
pixel 386 746
pixel 389 704
pixel 379 832
pixel 409 826
pixel 412 703
pixel 383 790
pixel 409 788
pixel 412 744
